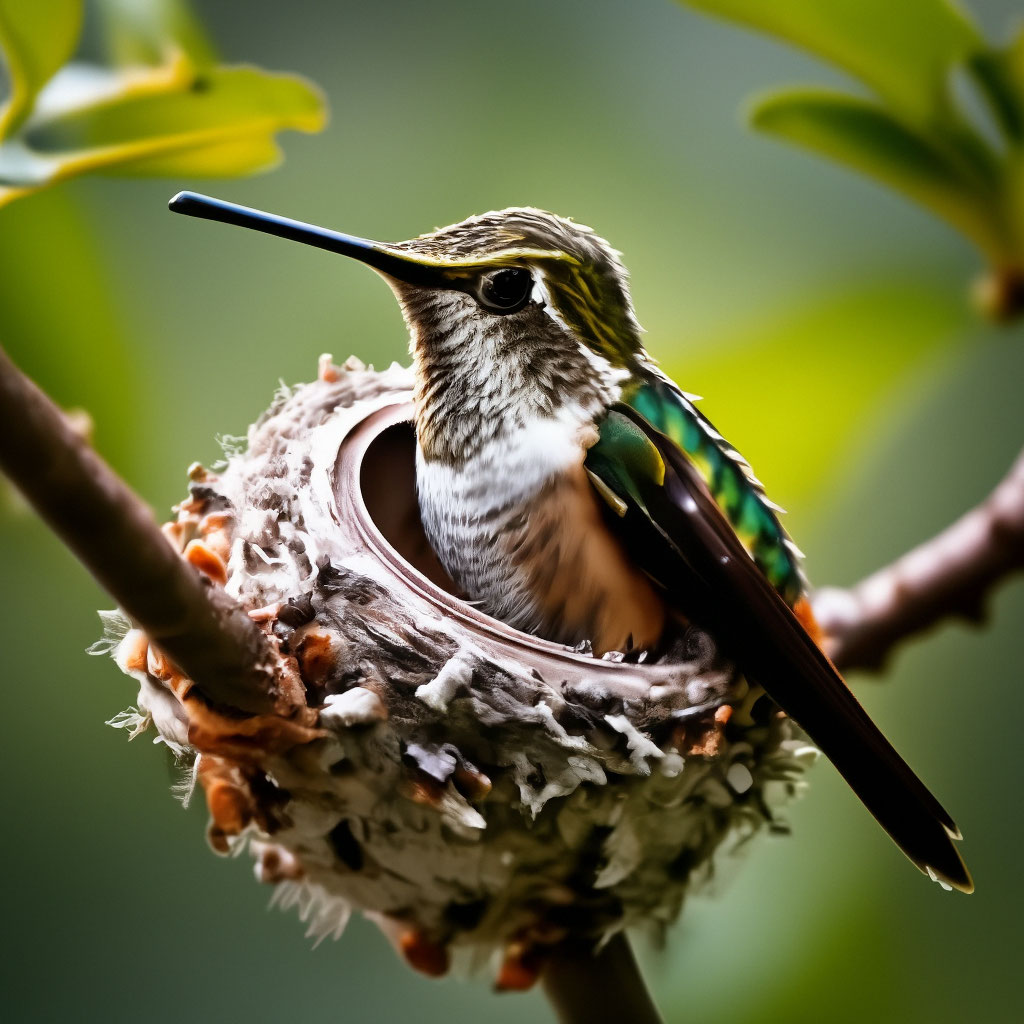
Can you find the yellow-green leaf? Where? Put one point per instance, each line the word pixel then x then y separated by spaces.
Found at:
pixel 221 123
pixel 903 49
pixel 862 135
pixel 1000 73
pixel 224 99
pixel 227 158
pixel 142 32
pixel 37 37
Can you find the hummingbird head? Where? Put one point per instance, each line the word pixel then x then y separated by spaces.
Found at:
pixel 511 314
pixel 501 272
pixel 528 313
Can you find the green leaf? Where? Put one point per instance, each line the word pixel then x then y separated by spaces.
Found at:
pixel 862 135
pixel 145 32
pixel 230 100
pixel 220 123
pixel 904 50
pixel 228 158
pixel 1000 73
pixel 37 37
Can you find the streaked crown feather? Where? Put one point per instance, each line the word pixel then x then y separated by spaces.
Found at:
pixel 582 276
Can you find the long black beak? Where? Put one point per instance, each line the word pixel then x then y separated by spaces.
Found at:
pixel 380 256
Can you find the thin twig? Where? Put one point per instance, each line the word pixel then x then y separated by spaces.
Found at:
pixel 115 536
pixel 585 987
pixel 950 575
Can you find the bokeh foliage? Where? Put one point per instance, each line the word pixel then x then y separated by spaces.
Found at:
pixel 944 123
pixel 164 106
pixel 822 318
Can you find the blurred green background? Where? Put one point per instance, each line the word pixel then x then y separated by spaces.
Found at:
pixel 825 321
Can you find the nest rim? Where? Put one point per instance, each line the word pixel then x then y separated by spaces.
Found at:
pixel 350 492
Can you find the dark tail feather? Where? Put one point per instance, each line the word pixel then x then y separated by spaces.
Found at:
pixel 794 672
pixel 738 605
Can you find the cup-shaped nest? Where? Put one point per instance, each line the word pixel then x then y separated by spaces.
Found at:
pixel 469 787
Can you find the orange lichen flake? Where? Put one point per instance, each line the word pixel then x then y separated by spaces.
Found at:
pixel 180 533
pixel 709 745
pixel 133 654
pixel 159 666
pixel 228 798
pixel 703 737
pixel 215 521
pixel 315 655
pixel 326 370
pixel 471 782
pixel 247 739
pixel 207 561
pixel 520 967
pixel 805 616
pixel 238 795
pixel 215 529
pixel 229 806
pixel 422 789
pixel 427 957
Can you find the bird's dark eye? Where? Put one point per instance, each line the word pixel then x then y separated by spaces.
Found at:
pixel 505 290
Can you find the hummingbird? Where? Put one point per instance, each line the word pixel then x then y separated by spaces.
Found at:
pixel 572 490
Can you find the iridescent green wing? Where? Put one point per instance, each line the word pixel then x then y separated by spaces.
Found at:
pixel 737 492
pixel 663 511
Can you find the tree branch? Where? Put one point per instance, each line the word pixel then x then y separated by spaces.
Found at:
pixel 950 575
pixel 584 987
pixel 115 536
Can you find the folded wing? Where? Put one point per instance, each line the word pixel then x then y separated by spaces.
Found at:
pixel 679 535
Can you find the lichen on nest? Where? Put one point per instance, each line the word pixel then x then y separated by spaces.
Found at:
pixel 474 791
